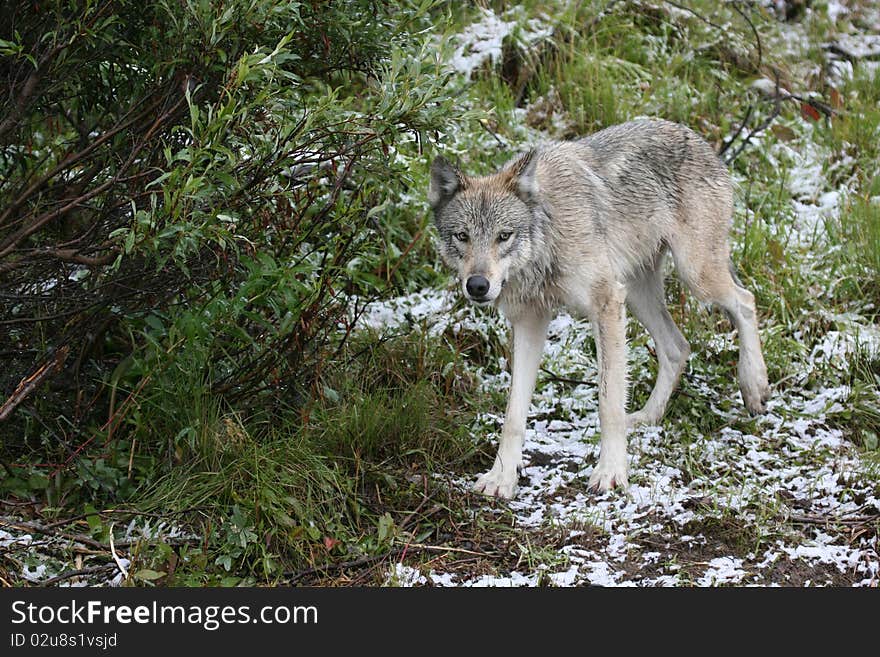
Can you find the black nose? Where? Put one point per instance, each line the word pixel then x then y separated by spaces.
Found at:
pixel 477 286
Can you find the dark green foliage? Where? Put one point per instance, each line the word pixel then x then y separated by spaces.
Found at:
pixel 191 193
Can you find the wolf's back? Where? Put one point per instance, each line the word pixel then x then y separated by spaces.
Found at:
pixel 670 152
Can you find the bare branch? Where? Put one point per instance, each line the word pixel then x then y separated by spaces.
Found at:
pixel 32 382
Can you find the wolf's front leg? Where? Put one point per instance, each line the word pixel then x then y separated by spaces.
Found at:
pixel 609 328
pixel 529 333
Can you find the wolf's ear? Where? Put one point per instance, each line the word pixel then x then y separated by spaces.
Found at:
pixel 521 176
pixel 446 181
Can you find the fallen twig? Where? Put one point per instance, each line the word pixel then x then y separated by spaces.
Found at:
pixel 126 512
pixel 831 520
pixel 92 570
pixel 344 565
pixel 425 498
pixel 79 538
pixel 26 526
pixel 447 548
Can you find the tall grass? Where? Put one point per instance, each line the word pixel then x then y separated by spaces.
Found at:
pixel 273 495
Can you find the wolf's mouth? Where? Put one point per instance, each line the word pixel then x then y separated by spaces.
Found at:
pixel 485 301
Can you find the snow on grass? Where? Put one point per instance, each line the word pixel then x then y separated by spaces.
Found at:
pixel 723 570
pixel 859 46
pixel 405 576
pixel 35 573
pixel 768 501
pixel 792 465
pixel 481 41
pixel 852 47
pixel 10 540
pixel 836 10
pixel 402 310
pixel 46 557
pixel 836 348
pixel 808 165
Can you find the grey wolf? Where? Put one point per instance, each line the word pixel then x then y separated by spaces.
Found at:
pixel 585 225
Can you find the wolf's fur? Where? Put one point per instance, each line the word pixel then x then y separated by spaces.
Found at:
pixel 585 225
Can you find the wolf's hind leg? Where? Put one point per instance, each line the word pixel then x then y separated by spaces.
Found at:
pixel 646 300
pixel 717 283
pixel 529 334
pixel 739 305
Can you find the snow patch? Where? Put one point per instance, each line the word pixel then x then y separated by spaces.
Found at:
pixel 482 40
pixel 723 570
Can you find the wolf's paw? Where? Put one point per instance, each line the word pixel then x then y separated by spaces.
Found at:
pixel 640 418
pixel 755 396
pixel 608 474
pixel 498 482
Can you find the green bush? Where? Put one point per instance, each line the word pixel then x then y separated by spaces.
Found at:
pixel 192 194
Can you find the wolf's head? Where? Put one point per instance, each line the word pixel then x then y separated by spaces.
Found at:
pixel 485 224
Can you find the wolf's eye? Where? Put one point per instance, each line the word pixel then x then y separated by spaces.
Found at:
pixel 503 237
pixel 461 237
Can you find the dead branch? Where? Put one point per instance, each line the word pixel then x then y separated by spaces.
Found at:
pixel 33 381
pixel 695 13
pixel 294 577
pixel 745 17
pixel 92 570
pixel 8 245
pixel 72 159
pixel 551 376
pixel 777 108
pixel 729 142
pixel 103 548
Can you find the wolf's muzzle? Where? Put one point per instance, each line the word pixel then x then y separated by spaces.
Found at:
pixel 477 287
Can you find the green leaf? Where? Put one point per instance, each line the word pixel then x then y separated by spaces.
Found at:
pixel 331 394
pixel 38 482
pixel 386 527
pixel 155 323
pixel 148 575
pixel 94 520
